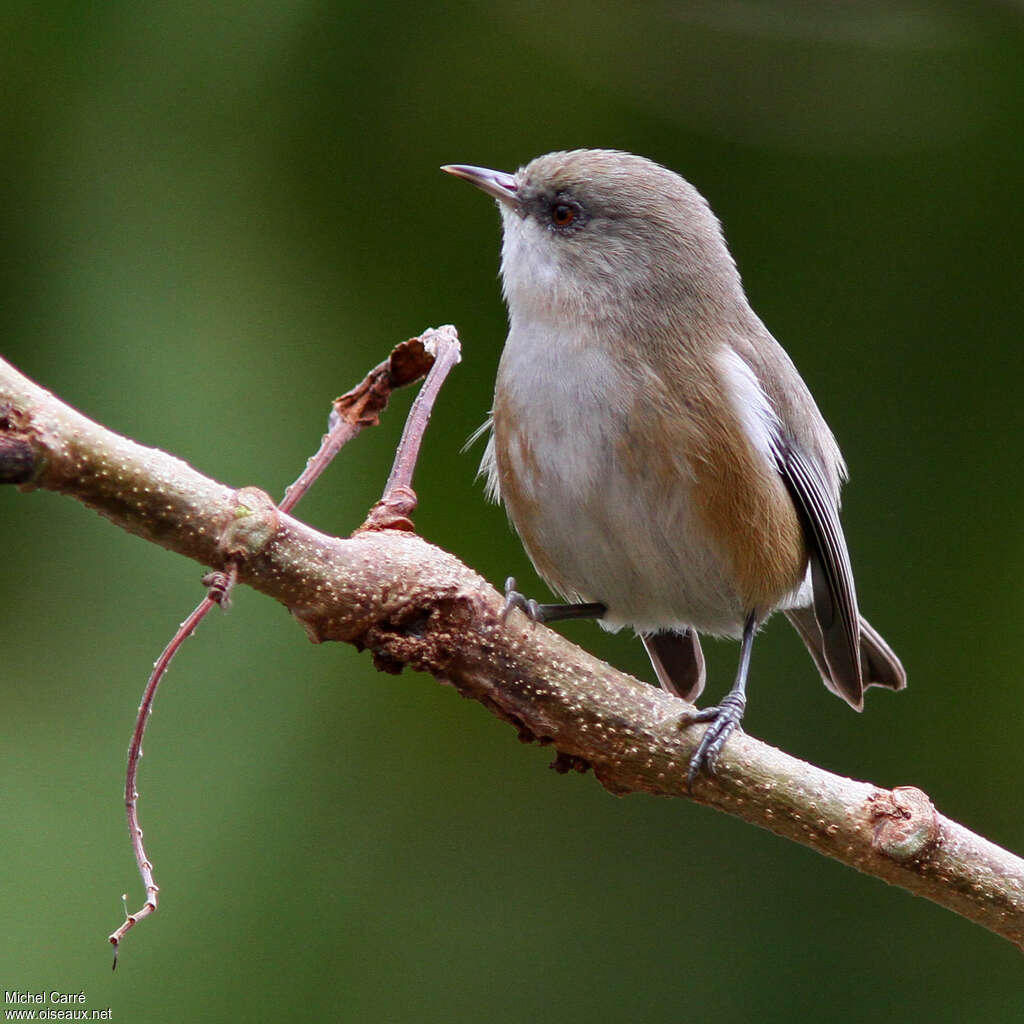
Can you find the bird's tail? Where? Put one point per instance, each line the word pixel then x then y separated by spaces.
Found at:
pixel 678 662
pixel 879 664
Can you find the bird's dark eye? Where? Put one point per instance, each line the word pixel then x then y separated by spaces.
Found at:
pixel 562 214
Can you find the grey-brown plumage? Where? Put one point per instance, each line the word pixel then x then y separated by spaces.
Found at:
pixel 655 447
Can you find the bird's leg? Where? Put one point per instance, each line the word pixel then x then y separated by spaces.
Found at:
pixel 726 716
pixel 548 612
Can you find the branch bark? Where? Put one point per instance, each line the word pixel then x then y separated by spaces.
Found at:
pixel 411 604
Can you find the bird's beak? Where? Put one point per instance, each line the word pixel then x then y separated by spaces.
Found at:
pixel 495 183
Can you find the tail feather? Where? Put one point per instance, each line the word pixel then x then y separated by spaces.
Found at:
pixel 678 662
pixel 879 664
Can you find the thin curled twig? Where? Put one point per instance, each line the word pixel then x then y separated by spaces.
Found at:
pixel 433 353
pixel 131 794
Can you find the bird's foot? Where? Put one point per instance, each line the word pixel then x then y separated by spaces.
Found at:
pixel 527 605
pixel 723 720
pixel 547 612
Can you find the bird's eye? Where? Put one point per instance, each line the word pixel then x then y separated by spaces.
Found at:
pixel 562 214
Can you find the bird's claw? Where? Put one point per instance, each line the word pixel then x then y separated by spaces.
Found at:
pixel 527 605
pixel 723 719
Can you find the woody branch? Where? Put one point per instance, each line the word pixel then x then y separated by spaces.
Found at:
pixel 409 603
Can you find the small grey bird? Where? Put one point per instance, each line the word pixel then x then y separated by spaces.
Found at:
pixel 659 455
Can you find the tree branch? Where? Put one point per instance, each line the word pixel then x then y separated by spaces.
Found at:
pixel 412 604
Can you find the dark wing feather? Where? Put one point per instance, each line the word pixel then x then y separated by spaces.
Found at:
pixel 835 599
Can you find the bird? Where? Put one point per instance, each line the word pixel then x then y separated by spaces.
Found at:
pixel 658 453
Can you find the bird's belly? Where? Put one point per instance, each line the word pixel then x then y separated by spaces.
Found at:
pixel 600 525
pixel 593 536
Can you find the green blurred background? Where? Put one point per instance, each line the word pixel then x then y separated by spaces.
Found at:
pixel 215 218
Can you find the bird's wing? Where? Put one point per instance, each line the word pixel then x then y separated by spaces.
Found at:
pixel 835 599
